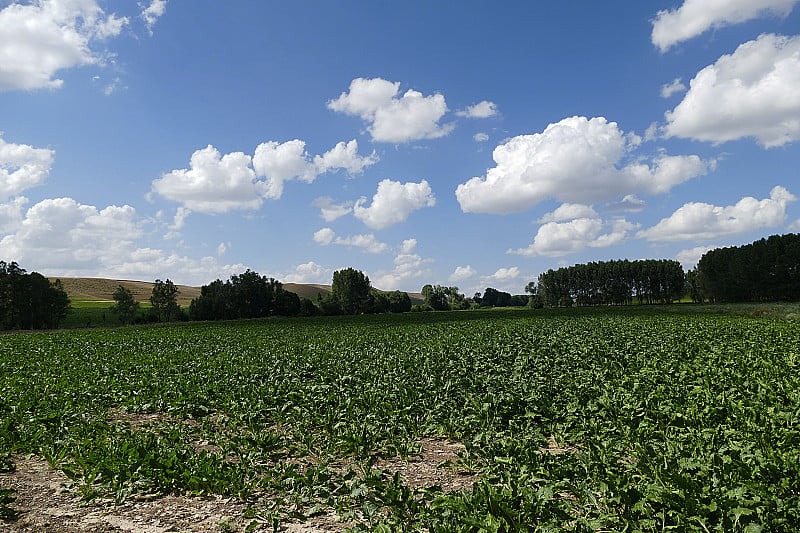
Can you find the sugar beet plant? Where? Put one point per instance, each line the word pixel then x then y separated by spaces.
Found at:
pixel 573 421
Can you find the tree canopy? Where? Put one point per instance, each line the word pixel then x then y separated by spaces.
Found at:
pixel 612 283
pixel 164 300
pixel 30 301
pixel 351 290
pixel 124 307
pixel 765 270
pixel 246 295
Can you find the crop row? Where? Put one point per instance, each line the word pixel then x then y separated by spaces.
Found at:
pixel 660 421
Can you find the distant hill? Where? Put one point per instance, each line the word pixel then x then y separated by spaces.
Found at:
pixel 103 289
pixel 310 290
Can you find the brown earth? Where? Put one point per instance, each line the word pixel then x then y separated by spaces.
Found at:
pixel 48 504
pixel 103 289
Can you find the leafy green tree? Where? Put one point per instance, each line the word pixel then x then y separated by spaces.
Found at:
pixel 455 300
pixel 11 280
pixel 427 291
pixel 380 302
pixel 519 300
pixel 399 302
pixel 246 295
pixel 125 307
pixel 287 303
pixel 29 301
pixel 164 300
pixel 351 289
pixel 329 305
pixel 58 304
pixel 307 308
pixel 436 297
pixel 765 270
pixel 214 303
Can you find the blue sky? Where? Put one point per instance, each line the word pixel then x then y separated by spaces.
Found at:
pixel 469 145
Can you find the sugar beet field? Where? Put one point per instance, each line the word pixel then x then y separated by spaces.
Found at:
pixel 575 420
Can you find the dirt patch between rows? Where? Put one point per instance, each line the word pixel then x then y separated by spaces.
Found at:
pixel 47 505
pixel 436 464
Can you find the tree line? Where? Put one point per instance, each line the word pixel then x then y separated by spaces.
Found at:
pixel 618 282
pixel 765 270
pixel 30 300
pixel 441 298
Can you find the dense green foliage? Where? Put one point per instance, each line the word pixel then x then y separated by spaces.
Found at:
pixel 612 283
pixel 29 300
pixel 670 421
pixel 164 300
pixel 438 297
pixel 399 302
pixel 125 307
pixel 494 298
pixel 352 291
pixel 766 270
pixel 441 298
pixel 247 295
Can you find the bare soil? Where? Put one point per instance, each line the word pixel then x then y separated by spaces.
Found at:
pixel 49 506
pixel 436 464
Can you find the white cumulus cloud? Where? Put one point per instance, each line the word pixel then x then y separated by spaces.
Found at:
pixel 505 274
pixel 344 156
pixel 329 210
pixel 676 86
pixel 368 242
pixel 407 266
pixel 61 233
pixel 62 237
pixel 703 222
pixel 22 167
pixel 630 202
pixel 153 263
pixel 484 109
pixel 310 272
pixel 694 17
pixel 575 160
pixel 393 118
pixel 153 12
pixel 569 212
pixel 39 39
pixel 393 203
pixel 688 258
pixel 503 279
pixel 324 236
pixel 11 214
pixel 750 93
pixel 408 246
pixel 181 214
pixel 462 273
pixel 572 228
pixel 216 183
pixel 281 162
